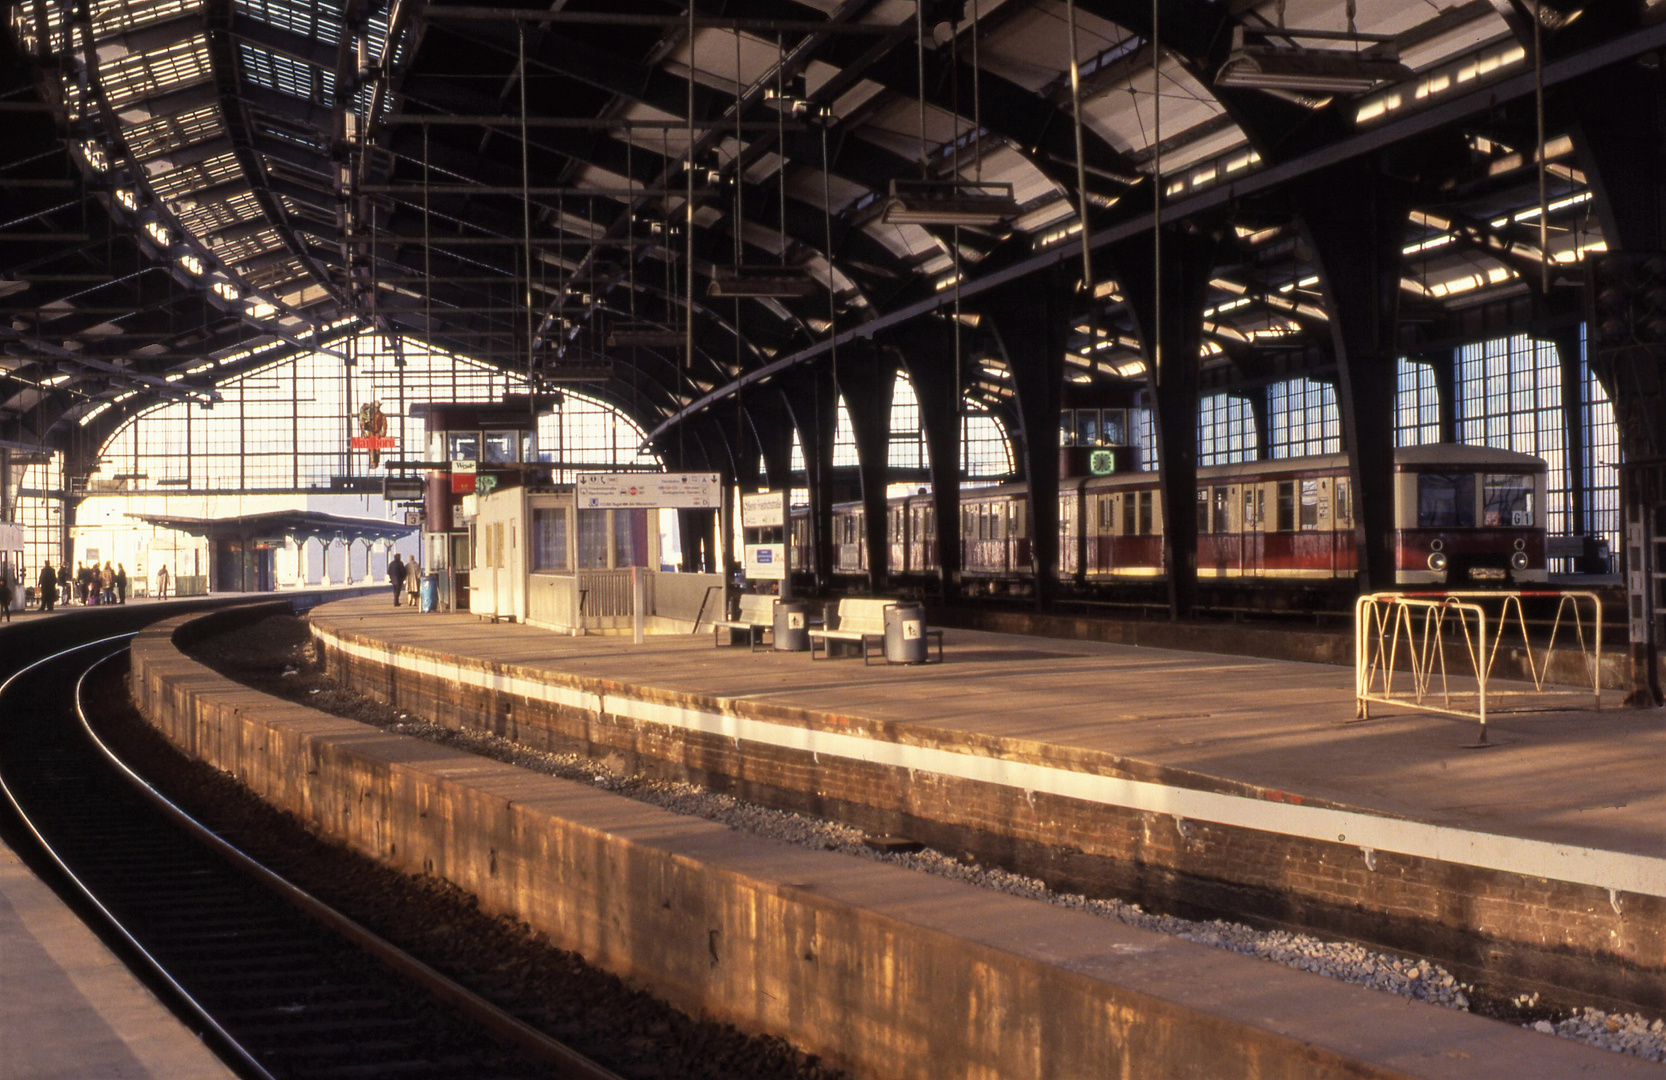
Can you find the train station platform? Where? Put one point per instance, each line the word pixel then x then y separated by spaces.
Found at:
pixel 71 1009
pixel 1239 783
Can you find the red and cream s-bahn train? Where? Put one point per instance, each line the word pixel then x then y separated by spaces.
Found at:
pixel 1464 516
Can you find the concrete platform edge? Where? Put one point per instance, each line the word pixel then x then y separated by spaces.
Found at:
pixel 924 978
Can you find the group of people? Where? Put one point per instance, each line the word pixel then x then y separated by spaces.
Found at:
pixel 405 579
pixel 88 585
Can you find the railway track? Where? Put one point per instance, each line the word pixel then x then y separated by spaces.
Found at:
pixel 280 984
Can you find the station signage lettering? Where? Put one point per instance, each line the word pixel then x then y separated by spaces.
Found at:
pixel 667 491
pixel 766 510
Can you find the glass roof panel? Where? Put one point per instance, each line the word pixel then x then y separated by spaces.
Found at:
pixel 164 133
pixel 285 74
pixel 142 75
pixel 114 16
pixel 319 20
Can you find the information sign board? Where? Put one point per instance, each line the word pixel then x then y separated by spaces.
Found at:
pixel 666 491
pixel 766 562
pixel 462 477
pixel 766 510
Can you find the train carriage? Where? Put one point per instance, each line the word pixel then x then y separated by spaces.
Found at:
pixel 1464 516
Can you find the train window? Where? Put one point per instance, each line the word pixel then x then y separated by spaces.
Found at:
pixel 1310 504
pixel 1249 508
pixel 1128 526
pixel 1020 519
pixel 1105 514
pixel 1202 510
pixel 1344 509
pixel 1067 428
pixel 1286 506
pixel 1506 499
pixel 998 521
pixel 1445 500
pixel 1223 521
pixel 1145 513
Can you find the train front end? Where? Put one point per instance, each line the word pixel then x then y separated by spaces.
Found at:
pixel 1469 517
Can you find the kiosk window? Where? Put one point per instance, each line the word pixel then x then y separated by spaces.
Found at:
pixel 549 538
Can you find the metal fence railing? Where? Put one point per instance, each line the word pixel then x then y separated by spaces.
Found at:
pixel 1438 651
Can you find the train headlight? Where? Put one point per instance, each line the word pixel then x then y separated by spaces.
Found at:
pixel 1519 560
pixel 1437 561
pixel 1436 544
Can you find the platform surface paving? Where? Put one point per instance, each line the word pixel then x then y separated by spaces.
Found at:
pixel 1582 778
pixel 69 1009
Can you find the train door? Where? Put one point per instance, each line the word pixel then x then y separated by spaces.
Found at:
pixel 999 560
pixel 1069 562
pixel 1020 533
pixel 1327 525
pixel 1223 542
pixel 1346 563
pixel 896 536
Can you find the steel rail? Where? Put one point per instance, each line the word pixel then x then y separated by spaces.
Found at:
pixel 200 1014
pixel 568 1062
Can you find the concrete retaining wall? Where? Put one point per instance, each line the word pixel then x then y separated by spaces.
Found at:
pixel 1557 937
pixel 883 971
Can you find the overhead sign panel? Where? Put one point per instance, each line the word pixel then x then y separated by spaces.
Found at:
pixel 646 491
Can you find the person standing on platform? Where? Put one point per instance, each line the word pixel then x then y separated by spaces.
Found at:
pixel 413 578
pixel 396 577
pixel 121 583
pixel 6 587
pixel 107 583
pixel 66 584
pixel 162 583
pixel 48 585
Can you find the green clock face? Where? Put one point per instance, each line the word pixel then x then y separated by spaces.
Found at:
pixel 1101 463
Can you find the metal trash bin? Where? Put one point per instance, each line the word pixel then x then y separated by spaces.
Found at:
pixel 428 595
pixel 905 634
pixel 792 626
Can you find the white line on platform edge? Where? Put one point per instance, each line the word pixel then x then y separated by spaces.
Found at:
pixel 1613 870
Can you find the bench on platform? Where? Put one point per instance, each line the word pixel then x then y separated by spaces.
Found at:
pixel 755 615
pixel 861 621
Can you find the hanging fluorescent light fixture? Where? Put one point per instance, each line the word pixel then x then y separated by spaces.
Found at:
pixel 644 335
pixel 1260 65
pixel 949 202
pixel 763 282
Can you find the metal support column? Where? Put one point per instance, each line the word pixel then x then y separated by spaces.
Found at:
pixel 1030 321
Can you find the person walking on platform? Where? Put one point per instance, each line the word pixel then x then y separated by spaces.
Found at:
pixel 121 583
pixel 66 584
pixel 162 583
pixel 48 585
pixel 396 577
